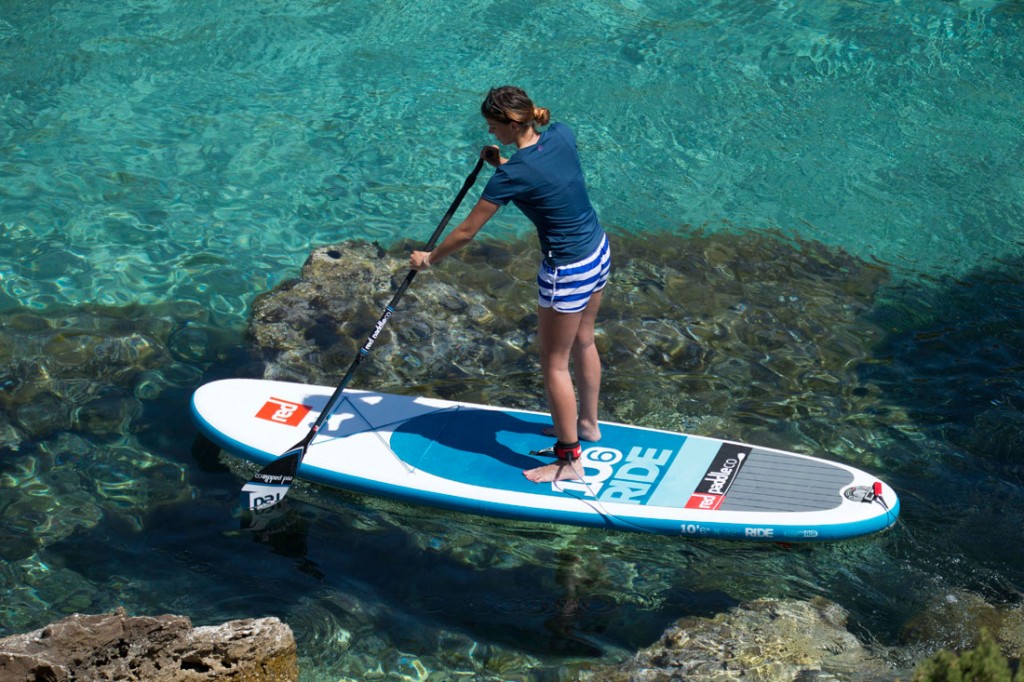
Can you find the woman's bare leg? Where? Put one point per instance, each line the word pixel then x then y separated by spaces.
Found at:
pixel 587 369
pixel 563 336
pixel 557 334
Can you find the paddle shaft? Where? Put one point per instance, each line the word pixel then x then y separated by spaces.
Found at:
pixel 389 310
pixel 269 486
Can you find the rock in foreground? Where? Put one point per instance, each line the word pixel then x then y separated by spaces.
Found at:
pixel 115 646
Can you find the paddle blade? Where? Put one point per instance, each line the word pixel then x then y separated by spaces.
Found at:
pixel 264 519
pixel 270 485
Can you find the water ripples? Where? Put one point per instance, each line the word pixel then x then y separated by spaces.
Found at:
pixel 173 166
pixel 285 126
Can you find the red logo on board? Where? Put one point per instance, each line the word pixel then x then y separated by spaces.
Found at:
pixel 704 501
pixel 283 412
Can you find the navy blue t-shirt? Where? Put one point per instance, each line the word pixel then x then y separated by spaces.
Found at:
pixel 545 182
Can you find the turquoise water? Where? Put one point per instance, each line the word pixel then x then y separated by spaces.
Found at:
pixel 186 156
pixel 184 138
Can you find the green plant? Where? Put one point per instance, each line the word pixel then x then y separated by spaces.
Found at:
pixel 983 663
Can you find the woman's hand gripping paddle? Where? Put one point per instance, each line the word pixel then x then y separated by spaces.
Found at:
pixel 270 485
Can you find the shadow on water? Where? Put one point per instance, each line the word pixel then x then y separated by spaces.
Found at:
pixel 382 570
pixel 951 370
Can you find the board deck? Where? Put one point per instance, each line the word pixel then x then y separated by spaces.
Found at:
pixel 471 457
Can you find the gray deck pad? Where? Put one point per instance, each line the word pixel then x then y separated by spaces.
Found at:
pixel 777 482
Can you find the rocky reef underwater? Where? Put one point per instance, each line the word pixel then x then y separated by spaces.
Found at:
pixel 108 500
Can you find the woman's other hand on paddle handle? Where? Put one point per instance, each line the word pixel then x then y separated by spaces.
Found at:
pixel 419 260
pixel 492 155
pixel 457 238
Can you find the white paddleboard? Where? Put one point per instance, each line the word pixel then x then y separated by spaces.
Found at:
pixel 471 458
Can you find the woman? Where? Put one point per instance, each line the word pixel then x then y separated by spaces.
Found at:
pixel 543 178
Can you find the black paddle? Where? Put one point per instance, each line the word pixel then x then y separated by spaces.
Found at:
pixel 271 484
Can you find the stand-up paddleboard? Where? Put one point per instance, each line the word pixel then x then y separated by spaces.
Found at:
pixel 471 458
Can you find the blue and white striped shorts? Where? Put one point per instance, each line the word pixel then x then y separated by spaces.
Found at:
pixel 568 288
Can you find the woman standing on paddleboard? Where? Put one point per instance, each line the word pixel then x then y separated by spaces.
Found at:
pixel 544 179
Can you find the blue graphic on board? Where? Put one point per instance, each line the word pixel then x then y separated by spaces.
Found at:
pixel 471 458
pixel 491 448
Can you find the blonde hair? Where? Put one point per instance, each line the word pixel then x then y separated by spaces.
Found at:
pixel 509 103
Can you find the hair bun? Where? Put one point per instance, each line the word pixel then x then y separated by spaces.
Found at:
pixel 511 104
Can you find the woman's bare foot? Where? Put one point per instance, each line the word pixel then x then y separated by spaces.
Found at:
pixel 586 433
pixel 559 471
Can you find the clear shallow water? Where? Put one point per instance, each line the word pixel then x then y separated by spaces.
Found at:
pixel 191 154
pixel 149 149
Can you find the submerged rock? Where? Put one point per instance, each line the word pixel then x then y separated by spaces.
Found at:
pixel 955 621
pixel 766 640
pixel 91 406
pixel 704 331
pixel 310 328
pixel 115 646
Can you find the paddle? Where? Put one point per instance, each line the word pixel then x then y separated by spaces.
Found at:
pixel 270 485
